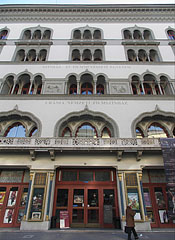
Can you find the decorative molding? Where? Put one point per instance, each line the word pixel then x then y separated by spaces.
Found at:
pixel 119 155
pixel 32 155
pixel 87 13
pixel 52 155
pixel 139 155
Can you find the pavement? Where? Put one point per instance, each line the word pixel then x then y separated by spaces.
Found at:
pixel 84 234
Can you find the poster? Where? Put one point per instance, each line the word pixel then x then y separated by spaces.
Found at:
pixel 37 204
pixel 133 200
pixel 8 216
pixel 168 150
pixel 24 199
pixel 64 219
pixel 78 199
pixel 2 196
pixel 12 198
pixel 147 199
pixel 163 216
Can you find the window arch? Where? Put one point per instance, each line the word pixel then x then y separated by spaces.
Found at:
pixel 156 130
pixel 86 130
pixel 72 85
pixel 87 35
pixel 105 133
pixel 171 34
pixel 36 35
pixel 20 55
pixel 87 56
pixel 66 132
pixel 46 35
pixel 75 55
pixel 42 55
pixel 147 35
pixel 98 55
pixel 31 56
pixel 136 86
pixel 97 34
pixel 131 55
pixel 127 34
pixel 27 35
pixel 137 35
pixel 77 34
pixel 149 83
pixel 8 85
pixel 139 133
pixel 165 85
pixel 15 130
pixel 3 34
pixel 153 56
pixel 142 55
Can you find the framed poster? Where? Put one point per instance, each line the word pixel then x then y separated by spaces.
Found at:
pixel 8 216
pixel 2 197
pixel 12 197
pixel 24 197
pixel 37 204
pixel 78 199
pixel 163 216
pixel 133 199
pixel 147 199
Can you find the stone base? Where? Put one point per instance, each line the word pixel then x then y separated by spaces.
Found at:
pixel 139 226
pixel 35 225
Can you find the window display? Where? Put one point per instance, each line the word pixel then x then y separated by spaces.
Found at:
pixel 8 216
pixel 12 196
pixel 37 204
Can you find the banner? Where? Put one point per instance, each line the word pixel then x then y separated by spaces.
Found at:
pixel 168 150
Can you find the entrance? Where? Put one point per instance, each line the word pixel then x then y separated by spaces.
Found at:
pixel 91 199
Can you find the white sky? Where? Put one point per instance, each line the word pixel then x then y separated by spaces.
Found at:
pixel 87 1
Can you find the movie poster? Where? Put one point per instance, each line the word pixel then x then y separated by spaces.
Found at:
pixel 2 196
pixel 12 198
pixel 8 216
pixel 133 200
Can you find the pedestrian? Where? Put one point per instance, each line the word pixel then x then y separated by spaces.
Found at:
pixel 130 222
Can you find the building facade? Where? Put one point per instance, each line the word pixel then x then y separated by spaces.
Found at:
pixel 86 93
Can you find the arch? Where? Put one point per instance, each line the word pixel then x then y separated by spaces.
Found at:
pixel 36 35
pixel 171 33
pixel 142 55
pixel 165 85
pixel 156 130
pixel 20 55
pixel 153 56
pixel 17 129
pixel 31 56
pixel 8 85
pixel 154 115
pixel 87 34
pixel 4 33
pixel 105 133
pixel 77 34
pixel 76 55
pixel 86 115
pixel 97 34
pixel 147 35
pixel 131 55
pixel 27 35
pixel 46 34
pixel 98 55
pixel 67 132
pixel 42 55
pixel 87 56
pixel 127 34
pixel 17 115
pixel 137 35
pixel 86 130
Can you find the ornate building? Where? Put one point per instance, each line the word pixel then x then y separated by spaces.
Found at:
pixel 86 93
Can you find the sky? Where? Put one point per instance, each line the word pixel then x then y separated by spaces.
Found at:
pixel 87 1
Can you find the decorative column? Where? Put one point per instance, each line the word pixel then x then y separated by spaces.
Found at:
pixel 28 195
pixel 120 175
pixel 142 196
pixel 49 196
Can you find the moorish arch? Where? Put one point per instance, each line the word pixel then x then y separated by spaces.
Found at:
pixel 86 116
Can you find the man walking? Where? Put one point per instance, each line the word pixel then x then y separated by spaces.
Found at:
pixel 130 222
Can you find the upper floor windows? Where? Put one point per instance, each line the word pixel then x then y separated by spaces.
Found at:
pixel 22 85
pixel 137 33
pixel 87 55
pixel 171 34
pixel 143 55
pixel 87 33
pixel 3 34
pixel 31 55
pixel 151 85
pixel 37 33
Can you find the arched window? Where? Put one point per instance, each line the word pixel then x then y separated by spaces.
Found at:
pixel 86 89
pixel 134 88
pixel 33 132
pixel 87 56
pixel 20 55
pixel 131 55
pixel 25 88
pixel 100 89
pixel 46 35
pixel 31 56
pixel 87 34
pixel 105 133
pixel 73 89
pixel 142 55
pixel 155 130
pixel 16 89
pixel 37 35
pixel 97 34
pixel 42 55
pixel 171 34
pixel 137 35
pixel 147 35
pixel 127 34
pixel 3 34
pixel 77 34
pixel 98 55
pixel 15 130
pixel 165 85
pixel 135 84
pixel 139 133
pixel 66 132
pixel 148 89
pixel 27 35
pixel 157 89
pixel 153 56
pixel 75 55
pixel 39 88
pixel 86 130
pixel 8 85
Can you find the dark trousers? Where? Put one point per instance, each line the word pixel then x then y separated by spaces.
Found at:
pixel 132 229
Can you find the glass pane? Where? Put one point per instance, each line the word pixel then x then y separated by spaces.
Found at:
pixel 102 176
pixel 157 176
pixel 2 195
pixel 92 198
pixel 108 197
pixel 155 131
pixel 86 176
pixel 62 198
pixel 78 216
pixel 86 131
pixel 8 217
pixel 78 200
pixel 20 215
pixel 147 197
pixel 131 179
pixel 40 179
pixel 24 197
pixel 17 131
pixel 159 197
pixel 26 176
pixel 93 215
pixel 145 177
pixel 11 176
pixel 69 175
pixel 12 196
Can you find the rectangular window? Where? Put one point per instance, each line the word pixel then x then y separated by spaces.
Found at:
pixel 102 176
pixel 131 179
pixel 11 176
pixel 86 176
pixel 69 176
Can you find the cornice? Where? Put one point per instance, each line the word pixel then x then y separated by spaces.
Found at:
pixel 87 13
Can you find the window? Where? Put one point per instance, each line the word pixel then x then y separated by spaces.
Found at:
pixel 3 34
pixel 105 133
pixel 77 34
pixel 16 130
pixel 139 133
pixel 171 34
pixel 86 130
pixel 36 34
pixel 138 33
pixel 87 56
pixel 98 55
pixel 86 89
pixel 100 89
pixel 75 55
pixel 155 130
pixel 66 132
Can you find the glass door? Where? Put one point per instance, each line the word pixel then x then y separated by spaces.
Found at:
pixel 78 207
pixel 93 207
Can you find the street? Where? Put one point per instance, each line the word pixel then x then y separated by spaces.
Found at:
pixel 82 235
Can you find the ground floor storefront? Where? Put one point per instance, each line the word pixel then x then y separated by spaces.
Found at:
pixel 92 197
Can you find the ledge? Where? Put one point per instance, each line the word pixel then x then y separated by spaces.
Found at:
pixel 34 42
pixel 141 42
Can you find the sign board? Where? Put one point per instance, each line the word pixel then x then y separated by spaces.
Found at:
pixel 64 219
pixel 168 150
pixel 108 214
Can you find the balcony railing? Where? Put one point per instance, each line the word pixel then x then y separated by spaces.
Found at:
pixel 79 143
